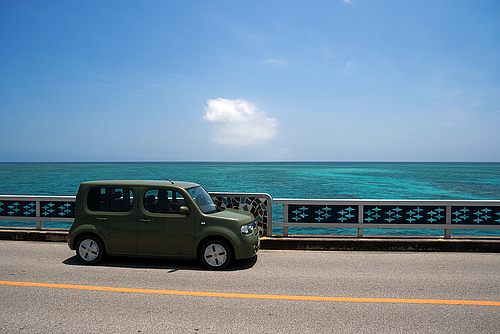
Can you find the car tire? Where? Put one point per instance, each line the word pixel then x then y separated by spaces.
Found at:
pixel 90 249
pixel 216 255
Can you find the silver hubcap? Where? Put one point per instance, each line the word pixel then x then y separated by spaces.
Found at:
pixel 215 255
pixel 88 250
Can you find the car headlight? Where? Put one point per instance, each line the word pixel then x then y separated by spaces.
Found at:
pixel 248 228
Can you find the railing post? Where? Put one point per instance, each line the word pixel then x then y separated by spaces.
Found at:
pixel 447 231
pixel 285 219
pixel 38 213
pixel 361 210
pixel 270 216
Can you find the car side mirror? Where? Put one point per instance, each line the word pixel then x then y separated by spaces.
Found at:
pixel 184 210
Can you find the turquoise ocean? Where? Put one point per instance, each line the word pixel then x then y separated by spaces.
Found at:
pixel 310 180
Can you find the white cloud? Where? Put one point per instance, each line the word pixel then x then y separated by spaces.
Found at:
pixel 238 122
pixel 351 64
pixel 273 61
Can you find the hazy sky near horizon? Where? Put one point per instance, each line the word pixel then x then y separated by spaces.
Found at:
pixel 332 80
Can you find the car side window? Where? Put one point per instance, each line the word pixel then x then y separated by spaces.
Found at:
pixel 110 199
pixel 163 201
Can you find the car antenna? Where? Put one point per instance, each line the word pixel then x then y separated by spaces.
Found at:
pixel 152 171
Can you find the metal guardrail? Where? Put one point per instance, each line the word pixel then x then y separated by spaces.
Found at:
pixel 326 213
pixel 360 214
pixel 37 208
pixel 62 208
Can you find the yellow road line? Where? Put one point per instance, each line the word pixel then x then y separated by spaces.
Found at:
pixel 257 296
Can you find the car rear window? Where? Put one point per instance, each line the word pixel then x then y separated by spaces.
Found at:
pixel 110 199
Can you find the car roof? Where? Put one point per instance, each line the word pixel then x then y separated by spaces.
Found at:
pixel 141 183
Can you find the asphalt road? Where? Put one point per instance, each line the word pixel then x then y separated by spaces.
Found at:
pixel 44 289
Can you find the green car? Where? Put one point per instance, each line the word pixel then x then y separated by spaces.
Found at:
pixel 159 219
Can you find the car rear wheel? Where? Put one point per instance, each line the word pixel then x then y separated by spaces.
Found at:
pixel 216 254
pixel 90 249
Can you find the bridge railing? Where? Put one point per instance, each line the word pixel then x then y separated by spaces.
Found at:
pixel 285 213
pixel 37 208
pixel 62 208
pixel 399 214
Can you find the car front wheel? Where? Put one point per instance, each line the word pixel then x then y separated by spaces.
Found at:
pixel 216 254
pixel 90 249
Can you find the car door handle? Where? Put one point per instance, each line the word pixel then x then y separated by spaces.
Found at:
pixel 145 220
pixel 102 218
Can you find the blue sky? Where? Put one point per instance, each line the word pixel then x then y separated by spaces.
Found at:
pixel 249 80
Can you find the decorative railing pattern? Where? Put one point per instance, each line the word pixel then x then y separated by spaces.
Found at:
pixel 404 215
pixel 37 208
pixel 17 208
pixel 323 213
pixel 258 204
pixel 395 214
pixel 388 214
pixel 476 215
pixel 56 207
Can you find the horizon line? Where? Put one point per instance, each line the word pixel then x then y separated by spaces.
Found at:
pixel 251 162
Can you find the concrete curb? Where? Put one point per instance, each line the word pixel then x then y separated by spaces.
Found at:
pixel 31 234
pixel 327 243
pixel 469 244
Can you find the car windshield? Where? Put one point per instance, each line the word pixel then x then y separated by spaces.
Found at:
pixel 202 199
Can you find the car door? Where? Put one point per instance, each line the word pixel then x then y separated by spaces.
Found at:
pixel 162 229
pixel 115 216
